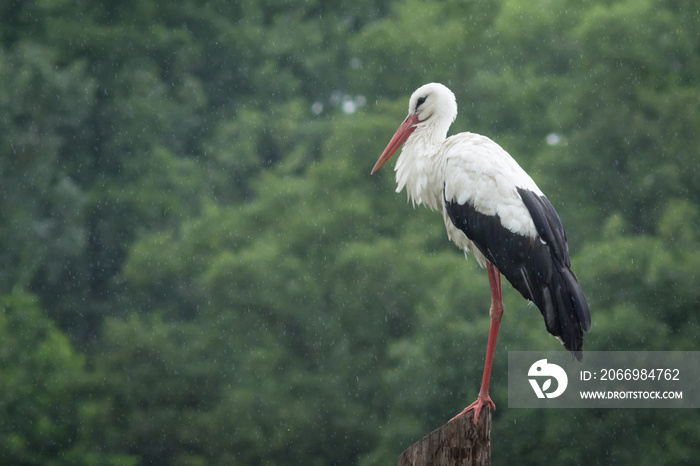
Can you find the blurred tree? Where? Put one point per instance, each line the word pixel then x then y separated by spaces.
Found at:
pixel 43 380
pixel 196 177
pixel 43 105
pixel 629 121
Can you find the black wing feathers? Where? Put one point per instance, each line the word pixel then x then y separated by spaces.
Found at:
pixel 547 223
pixel 539 268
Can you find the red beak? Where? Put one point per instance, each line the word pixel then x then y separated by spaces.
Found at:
pixel 404 131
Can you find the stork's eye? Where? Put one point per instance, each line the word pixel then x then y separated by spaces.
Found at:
pixel 420 102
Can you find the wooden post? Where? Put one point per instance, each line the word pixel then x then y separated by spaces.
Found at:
pixel 458 442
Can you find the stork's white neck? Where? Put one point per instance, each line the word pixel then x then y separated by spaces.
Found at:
pixel 421 165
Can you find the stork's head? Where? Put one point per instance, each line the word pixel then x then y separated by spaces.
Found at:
pixel 433 107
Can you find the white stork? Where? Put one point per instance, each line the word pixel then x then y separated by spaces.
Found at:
pixel 494 210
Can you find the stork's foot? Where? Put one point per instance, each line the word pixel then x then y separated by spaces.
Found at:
pixel 480 402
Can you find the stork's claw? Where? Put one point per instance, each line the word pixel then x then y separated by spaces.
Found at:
pixel 480 402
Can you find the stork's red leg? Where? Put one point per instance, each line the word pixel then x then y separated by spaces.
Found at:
pixel 495 313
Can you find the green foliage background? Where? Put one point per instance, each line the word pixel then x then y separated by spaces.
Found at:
pixel 198 269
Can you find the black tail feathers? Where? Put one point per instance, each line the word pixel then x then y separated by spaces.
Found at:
pixel 565 310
